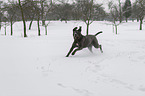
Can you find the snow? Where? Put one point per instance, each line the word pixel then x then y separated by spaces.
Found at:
pixel 37 66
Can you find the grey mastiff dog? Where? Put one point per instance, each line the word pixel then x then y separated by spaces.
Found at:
pixel 81 41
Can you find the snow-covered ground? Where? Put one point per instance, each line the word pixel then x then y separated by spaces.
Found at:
pixel 37 66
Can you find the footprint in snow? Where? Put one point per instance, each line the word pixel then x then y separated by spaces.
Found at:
pixel 81 91
pixel 142 88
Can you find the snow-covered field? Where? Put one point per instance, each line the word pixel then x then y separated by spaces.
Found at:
pixel 37 66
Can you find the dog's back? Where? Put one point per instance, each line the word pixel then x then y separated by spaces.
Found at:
pixel 88 40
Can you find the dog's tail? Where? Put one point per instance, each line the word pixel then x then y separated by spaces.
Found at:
pixel 98 33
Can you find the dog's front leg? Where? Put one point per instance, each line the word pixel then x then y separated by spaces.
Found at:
pixel 76 51
pixel 71 49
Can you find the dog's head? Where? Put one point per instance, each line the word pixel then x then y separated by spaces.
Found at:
pixel 77 33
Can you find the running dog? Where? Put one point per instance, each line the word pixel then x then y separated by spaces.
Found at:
pixel 81 41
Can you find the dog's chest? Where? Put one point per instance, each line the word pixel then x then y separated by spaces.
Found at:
pixel 77 44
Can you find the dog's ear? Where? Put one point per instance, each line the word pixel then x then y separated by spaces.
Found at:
pixel 75 29
pixel 80 29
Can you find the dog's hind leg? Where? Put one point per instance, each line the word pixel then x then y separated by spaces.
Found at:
pixel 90 48
pixel 96 45
pixel 101 49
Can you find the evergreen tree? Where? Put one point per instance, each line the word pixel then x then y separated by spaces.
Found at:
pixel 127 9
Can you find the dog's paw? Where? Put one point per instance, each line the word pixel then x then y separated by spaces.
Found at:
pixel 73 53
pixel 66 56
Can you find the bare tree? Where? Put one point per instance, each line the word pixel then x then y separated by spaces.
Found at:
pixel 135 12
pixel 63 10
pixel 114 12
pixel 12 13
pixel 76 14
pixel 38 12
pixel 0 14
pixel 44 7
pixel 42 12
pixel 35 8
pixel 24 23
pixel 88 11
pixel 29 11
pixel 3 19
pixel 5 24
pixel 141 10
pixel 120 11
pixel 49 8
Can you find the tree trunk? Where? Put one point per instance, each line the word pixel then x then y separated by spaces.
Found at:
pixel 0 25
pixel 11 26
pixel 120 12
pixel 42 13
pixel 30 25
pixel 43 22
pixel 0 16
pixel 120 19
pixel 116 29
pixel 45 29
pixel 137 19
pixel 38 26
pixel 88 23
pixel 0 21
pixel 141 22
pixel 113 28
pixel 24 23
pixel 87 28
pixel 126 19
pixel 5 29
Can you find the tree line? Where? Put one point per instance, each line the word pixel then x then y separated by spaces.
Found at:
pixel 85 10
pixel 127 10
